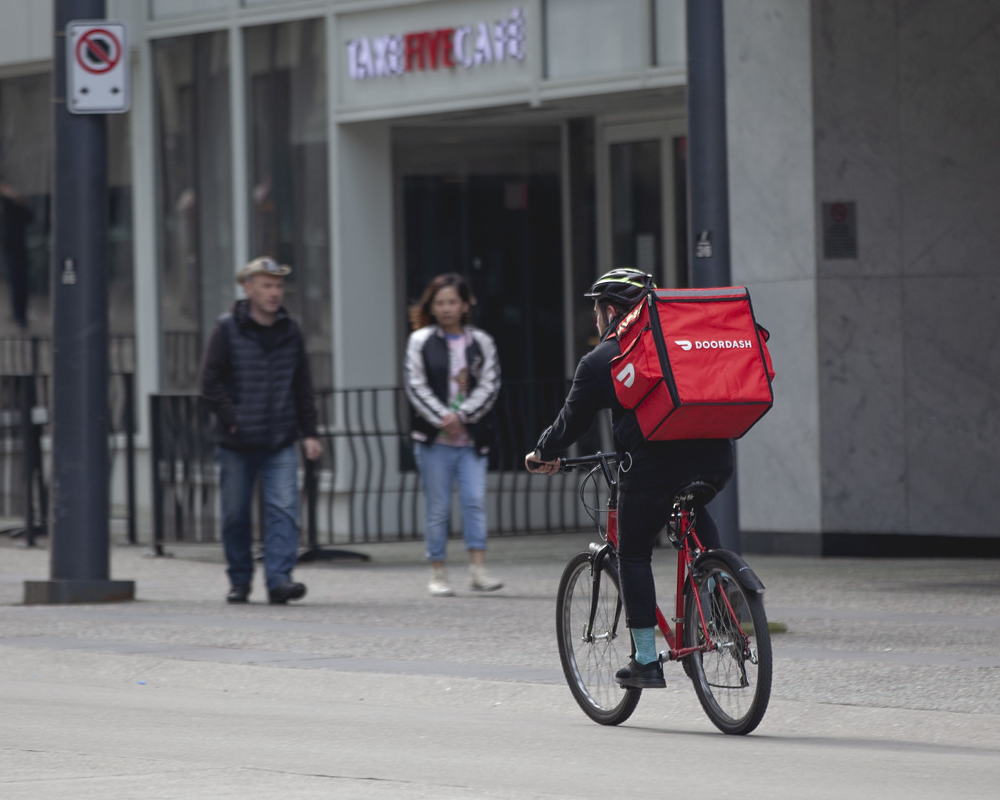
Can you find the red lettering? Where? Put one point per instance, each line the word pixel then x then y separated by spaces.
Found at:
pixel 439 46
pixel 415 50
pixel 448 43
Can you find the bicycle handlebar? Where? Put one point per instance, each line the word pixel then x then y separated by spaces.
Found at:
pixel 570 464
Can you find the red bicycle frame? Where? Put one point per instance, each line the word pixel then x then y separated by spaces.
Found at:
pixel 685 541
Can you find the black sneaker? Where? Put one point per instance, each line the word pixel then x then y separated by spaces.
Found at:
pixel 641 676
pixel 239 593
pixel 284 592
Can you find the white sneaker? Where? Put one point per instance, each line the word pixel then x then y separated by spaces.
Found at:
pixel 482 581
pixel 439 586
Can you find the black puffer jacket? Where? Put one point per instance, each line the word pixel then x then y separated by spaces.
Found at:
pixel 256 381
pixel 654 464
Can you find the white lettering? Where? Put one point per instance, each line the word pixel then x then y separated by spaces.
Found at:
pixel 515 35
pixel 483 52
pixel 499 41
pixel 388 55
pixel 626 376
pixel 463 54
pixel 354 66
pixel 717 344
pixel 472 45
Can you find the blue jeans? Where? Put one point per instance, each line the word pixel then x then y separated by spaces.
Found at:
pixel 278 473
pixel 440 467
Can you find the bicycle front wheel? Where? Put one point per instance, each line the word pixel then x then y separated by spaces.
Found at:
pixel 732 676
pixel 593 649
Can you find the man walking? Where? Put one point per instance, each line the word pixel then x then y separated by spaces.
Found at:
pixel 255 378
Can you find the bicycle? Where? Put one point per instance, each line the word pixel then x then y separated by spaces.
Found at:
pixel 720 632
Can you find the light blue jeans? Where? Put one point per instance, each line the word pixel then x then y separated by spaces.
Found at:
pixel 441 467
pixel 278 473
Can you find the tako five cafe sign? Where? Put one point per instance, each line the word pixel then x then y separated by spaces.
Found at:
pixel 467 46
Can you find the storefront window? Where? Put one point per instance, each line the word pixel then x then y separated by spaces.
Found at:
pixel 289 209
pixel 195 195
pixel 486 203
pixel 637 206
pixel 25 204
pixel 26 148
pixel 121 284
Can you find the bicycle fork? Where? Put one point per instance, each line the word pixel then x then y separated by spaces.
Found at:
pixel 598 558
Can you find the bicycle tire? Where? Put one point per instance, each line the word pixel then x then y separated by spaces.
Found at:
pixel 732 681
pixel 590 666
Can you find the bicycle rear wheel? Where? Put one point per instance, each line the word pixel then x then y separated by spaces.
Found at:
pixel 590 662
pixel 733 679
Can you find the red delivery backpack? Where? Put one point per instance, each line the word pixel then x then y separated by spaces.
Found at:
pixel 694 364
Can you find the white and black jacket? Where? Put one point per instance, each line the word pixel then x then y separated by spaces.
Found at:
pixel 427 375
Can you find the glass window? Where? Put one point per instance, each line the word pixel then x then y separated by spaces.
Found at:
pixel 486 203
pixel 636 206
pixel 26 146
pixel 594 37
pixel 289 207
pixel 121 286
pixel 195 196
pixel 26 150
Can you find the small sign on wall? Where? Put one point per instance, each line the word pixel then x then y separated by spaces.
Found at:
pixel 840 230
pixel 97 70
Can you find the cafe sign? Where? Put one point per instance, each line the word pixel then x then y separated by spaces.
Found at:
pixel 469 46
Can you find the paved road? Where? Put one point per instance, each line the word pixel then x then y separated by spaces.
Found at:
pixel 887 684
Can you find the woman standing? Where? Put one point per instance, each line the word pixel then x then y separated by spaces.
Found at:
pixel 452 381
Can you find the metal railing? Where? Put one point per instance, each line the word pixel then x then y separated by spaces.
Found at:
pixel 365 488
pixel 25 431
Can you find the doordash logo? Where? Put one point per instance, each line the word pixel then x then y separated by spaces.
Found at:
pixel 465 46
pixel 627 376
pixel 714 344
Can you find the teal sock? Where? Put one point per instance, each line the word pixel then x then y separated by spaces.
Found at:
pixel 645 645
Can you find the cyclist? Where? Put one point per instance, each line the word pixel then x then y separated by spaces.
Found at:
pixel 650 476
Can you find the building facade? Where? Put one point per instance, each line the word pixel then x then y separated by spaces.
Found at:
pixel 532 144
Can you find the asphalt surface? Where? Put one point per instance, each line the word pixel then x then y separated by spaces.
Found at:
pixel 887 683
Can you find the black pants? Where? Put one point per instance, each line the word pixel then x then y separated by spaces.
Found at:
pixel 642 513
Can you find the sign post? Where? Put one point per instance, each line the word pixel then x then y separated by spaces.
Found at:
pixel 87 73
pixel 708 177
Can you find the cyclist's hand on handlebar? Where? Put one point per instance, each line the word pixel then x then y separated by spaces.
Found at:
pixel 534 464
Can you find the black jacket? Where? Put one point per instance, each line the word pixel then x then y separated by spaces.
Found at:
pixel 654 464
pixel 427 375
pixel 257 382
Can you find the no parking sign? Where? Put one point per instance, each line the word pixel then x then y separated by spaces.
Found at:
pixel 97 73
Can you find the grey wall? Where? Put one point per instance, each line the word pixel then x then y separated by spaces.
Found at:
pixel 770 131
pixel 907 126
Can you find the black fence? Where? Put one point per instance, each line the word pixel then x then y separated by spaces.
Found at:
pixel 25 431
pixel 365 487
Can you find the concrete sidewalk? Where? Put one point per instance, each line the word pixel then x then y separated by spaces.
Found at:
pixel 191 697
pixel 902 633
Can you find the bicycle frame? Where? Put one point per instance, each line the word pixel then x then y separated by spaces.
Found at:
pixel 686 542
pixel 688 546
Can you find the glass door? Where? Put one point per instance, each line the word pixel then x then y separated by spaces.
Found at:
pixel 642 198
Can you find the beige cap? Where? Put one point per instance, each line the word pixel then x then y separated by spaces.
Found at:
pixel 264 265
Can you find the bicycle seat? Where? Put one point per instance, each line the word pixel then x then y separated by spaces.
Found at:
pixel 696 493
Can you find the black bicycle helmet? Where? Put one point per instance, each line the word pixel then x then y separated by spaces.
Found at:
pixel 623 287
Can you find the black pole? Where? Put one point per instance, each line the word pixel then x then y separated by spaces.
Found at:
pixel 708 179
pixel 79 542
